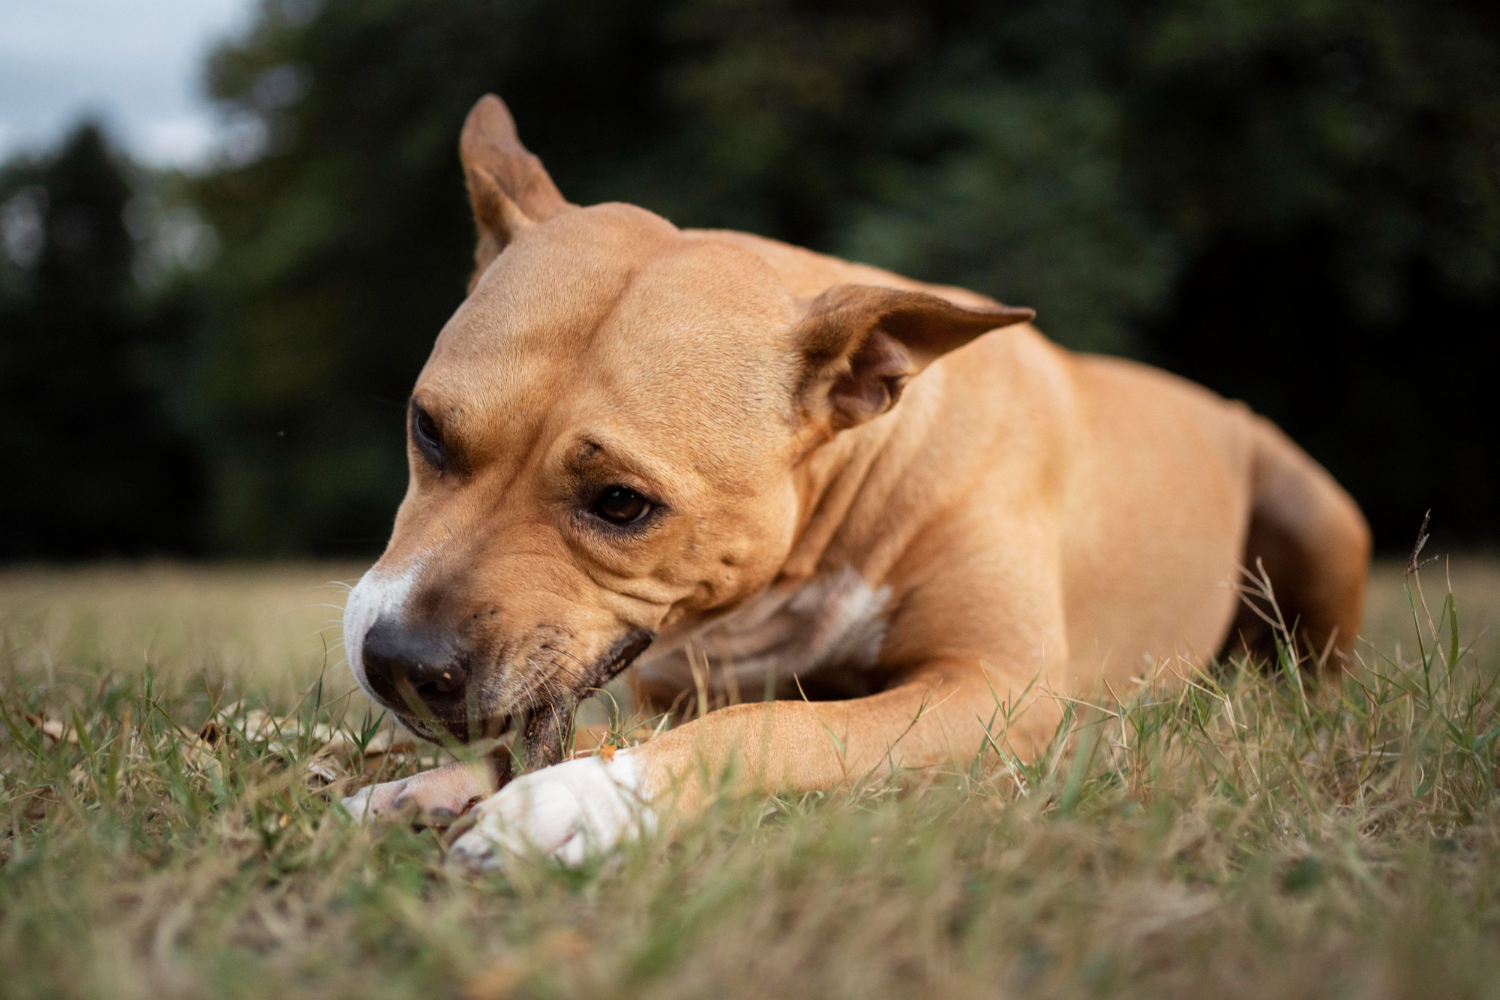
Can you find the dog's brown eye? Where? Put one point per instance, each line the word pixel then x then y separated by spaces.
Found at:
pixel 619 505
pixel 428 435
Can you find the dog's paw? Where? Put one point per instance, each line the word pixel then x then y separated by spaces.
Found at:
pixel 564 812
pixel 435 797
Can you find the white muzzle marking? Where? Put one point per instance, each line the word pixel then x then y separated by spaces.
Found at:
pixel 379 592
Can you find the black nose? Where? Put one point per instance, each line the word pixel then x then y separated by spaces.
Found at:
pixel 400 661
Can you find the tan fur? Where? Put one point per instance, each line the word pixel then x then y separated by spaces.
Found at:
pixel 1030 522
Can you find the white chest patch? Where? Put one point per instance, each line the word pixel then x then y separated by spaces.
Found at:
pixel 830 621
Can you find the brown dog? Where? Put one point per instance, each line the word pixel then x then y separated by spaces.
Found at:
pixel 894 502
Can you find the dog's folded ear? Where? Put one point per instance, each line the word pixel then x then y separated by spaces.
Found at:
pixel 509 189
pixel 861 344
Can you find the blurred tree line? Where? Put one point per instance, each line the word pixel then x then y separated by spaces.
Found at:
pixel 96 461
pixel 1296 202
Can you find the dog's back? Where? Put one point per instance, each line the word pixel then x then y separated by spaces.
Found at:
pixel 1176 490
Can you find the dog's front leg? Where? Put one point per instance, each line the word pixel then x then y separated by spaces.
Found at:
pixel 946 711
pixel 434 798
pixel 439 796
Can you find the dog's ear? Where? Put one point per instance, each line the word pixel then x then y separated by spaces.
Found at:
pixel 861 344
pixel 509 189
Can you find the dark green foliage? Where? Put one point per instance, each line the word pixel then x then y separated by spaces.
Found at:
pixel 1296 202
pixel 1293 201
pixel 93 464
pixel 1335 171
pixel 347 246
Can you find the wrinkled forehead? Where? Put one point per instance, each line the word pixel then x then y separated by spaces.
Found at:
pixel 611 305
pixel 539 300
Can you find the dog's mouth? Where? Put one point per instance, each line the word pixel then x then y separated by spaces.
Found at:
pixel 545 728
pixel 448 728
pixel 547 732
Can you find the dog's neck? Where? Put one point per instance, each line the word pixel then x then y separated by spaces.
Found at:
pixel 838 473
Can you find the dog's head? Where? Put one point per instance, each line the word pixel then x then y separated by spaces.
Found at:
pixel 610 438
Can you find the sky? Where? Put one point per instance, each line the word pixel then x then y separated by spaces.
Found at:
pixel 137 64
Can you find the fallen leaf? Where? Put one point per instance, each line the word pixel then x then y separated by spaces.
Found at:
pixel 339 743
pixel 387 741
pixel 325 766
pixel 53 729
pixel 199 754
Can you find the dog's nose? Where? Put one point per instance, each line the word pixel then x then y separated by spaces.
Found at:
pixel 393 653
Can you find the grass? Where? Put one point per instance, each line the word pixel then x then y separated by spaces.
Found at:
pixel 1252 836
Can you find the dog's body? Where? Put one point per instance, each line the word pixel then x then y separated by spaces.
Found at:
pixel 856 487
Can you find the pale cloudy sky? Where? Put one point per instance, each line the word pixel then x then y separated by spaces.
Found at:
pixel 138 64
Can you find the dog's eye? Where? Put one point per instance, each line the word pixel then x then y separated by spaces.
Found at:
pixel 619 505
pixel 428 435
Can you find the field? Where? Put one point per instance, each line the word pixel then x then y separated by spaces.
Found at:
pixel 169 736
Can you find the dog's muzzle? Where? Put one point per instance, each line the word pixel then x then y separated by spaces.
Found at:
pixel 444 689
